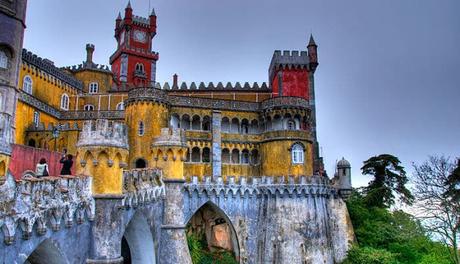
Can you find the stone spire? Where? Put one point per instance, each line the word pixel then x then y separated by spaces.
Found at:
pixel 119 16
pixel 153 12
pixel 129 5
pixel 312 41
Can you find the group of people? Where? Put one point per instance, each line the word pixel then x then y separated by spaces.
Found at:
pixel 42 169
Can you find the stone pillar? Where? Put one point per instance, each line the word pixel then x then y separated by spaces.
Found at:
pixel 107 231
pixel 216 144
pixel 174 248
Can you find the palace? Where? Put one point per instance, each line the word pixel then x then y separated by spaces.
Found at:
pixel 245 153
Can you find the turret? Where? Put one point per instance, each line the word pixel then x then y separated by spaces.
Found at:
pixel 117 21
pixel 128 14
pixel 312 54
pixel 153 22
pixel 169 153
pixel 102 153
pixel 89 54
pixel 343 178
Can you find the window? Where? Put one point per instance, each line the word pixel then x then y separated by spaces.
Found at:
pixel 121 106
pixel 27 84
pixel 140 67
pixel 88 107
pixel 206 156
pixel 3 60
pixel 297 153
pixel 245 157
pixel 36 118
pixel 140 128
pixel 291 125
pixel 65 102
pixel 93 88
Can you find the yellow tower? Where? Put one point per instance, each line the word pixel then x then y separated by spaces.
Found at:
pixel 169 153
pixel 102 152
pixel 146 113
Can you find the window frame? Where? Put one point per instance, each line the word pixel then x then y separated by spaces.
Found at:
pixel 93 88
pixel 27 84
pixel 65 102
pixel 36 119
pixel 88 107
pixel 140 128
pixel 297 153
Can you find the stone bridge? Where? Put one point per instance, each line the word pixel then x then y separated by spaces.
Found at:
pixel 58 220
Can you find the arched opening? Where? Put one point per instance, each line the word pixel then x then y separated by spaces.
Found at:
pixel 235 126
pixel 185 122
pixel 141 164
pixel 245 156
pixel 254 157
pixel 137 245
pixel 268 124
pixel 206 157
pixel 206 126
pixel 196 157
pixel 174 123
pixel 277 124
pixel 196 123
pixel 46 253
pixel 235 156
pixel 245 126
pixel 225 125
pixel 225 156
pixel 31 143
pixel 211 236
pixel 254 128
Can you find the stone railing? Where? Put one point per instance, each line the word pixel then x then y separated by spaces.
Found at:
pixel 303 185
pixel 285 102
pixel 42 202
pixel 30 100
pixel 103 132
pixel 286 134
pixel 142 186
pixel 85 115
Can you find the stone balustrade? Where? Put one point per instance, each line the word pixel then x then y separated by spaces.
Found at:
pixel 43 203
pixel 103 132
pixel 141 186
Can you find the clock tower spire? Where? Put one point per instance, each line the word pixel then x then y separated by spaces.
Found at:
pixel 134 62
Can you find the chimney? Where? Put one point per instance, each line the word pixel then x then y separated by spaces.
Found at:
pixel 89 54
pixel 174 80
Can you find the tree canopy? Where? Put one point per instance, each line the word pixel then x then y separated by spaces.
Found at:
pixel 389 178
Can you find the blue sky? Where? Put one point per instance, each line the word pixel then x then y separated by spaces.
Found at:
pixel 388 79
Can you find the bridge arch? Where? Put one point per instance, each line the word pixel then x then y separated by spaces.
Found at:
pixel 46 253
pixel 216 225
pixel 137 242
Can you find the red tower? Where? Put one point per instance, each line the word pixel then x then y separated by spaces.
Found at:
pixel 134 62
pixel 291 72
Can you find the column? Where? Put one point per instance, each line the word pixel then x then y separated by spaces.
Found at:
pixel 216 144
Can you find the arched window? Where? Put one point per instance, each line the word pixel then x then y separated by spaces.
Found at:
pixel 64 102
pixel 206 156
pixel 185 122
pixel 88 107
pixel 206 124
pixel 120 106
pixel 235 156
pixel 140 67
pixel 225 125
pixel 235 126
pixel 93 88
pixel 297 153
pixel 245 156
pixel 140 128
pixel 244 126
pixel 225 156
pixel 196 154
pixel 291 124
pixel 3 60
pixel 36 118
pixel 254 157
pixel 27 84
pixel 31 143
pixel 196 123
pixel 175 121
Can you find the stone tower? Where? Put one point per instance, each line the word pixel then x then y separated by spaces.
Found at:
pixel 12 19
pixel 134 62
pixel 343 178
pixel 103 152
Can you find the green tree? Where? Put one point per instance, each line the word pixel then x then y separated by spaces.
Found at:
pixel 368 255
pixel 389 177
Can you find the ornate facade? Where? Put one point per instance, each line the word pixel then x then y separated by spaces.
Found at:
pixel 157 153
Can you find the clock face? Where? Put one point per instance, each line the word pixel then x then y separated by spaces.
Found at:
pixel 139 36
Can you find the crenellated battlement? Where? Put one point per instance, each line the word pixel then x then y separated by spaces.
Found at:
pixel 290 59
pixel 141 186
pixel 304 185
pixel 103 132
pixel 255 87
pixel 39 203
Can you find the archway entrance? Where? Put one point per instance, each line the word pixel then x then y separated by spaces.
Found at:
pixel 211 236
pixel 137 245
pixel 141 164
pixel 46 253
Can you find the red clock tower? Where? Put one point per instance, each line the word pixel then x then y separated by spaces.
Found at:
pixel 134 62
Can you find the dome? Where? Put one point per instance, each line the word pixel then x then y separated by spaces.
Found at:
pixel 343 163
